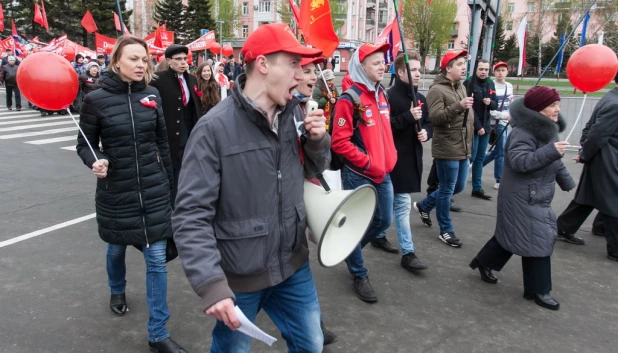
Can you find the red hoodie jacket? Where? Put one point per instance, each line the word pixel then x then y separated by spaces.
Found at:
pixel 369 150
pixel 346 82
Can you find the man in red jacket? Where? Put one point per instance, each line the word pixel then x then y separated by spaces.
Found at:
pixel 366 145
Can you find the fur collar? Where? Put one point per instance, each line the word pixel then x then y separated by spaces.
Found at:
pixel 534 122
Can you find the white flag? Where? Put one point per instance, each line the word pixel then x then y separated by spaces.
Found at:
pixel 601 38
pixel 521 41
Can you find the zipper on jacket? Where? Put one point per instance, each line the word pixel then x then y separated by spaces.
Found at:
pixel 464 136
pixel 280 193
pixel 139 184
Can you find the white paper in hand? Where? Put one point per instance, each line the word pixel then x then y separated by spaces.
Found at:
pixel 248 328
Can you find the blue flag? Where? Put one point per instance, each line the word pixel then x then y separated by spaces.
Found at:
pixel 559 63
pixel 582 40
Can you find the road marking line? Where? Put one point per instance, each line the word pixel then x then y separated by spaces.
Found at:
pixel 69 148
pixel 33 120
pixel 37 133
pixel 53 140
pixel 15 112
pixel 35 126
pixel 19 116
pixel 46 230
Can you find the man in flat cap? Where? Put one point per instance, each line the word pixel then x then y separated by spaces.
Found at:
pixel 178 91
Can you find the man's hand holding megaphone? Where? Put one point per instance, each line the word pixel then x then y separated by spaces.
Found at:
pixel 315 124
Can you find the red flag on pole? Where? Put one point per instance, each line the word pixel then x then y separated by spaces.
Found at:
pixel 88 22
pixel 117 24
pixel 317 24
pixel 1 18
pixel 44 15
pixel 13 29
pixel 295 12
pixel 38 18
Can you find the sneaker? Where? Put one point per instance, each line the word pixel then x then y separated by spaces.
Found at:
pixel 450 239
pixel 497 186
pixel 424 215
pixel 570 238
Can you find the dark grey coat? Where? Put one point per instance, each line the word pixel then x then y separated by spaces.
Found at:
pixel 598 185
pixel 526 223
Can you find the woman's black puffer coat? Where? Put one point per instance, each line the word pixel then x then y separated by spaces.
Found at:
pixel 133 201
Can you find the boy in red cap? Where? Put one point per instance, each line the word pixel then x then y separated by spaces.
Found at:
pixel 239 222
pixel 451 146
pixel 365 143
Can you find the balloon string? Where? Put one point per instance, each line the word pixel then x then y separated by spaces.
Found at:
pixel 578 117
pixel 83 135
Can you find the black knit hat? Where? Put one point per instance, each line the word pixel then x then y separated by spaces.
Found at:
pixel 540 97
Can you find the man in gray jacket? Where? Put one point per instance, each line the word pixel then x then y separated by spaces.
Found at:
pixel 9 75
pixel 239 222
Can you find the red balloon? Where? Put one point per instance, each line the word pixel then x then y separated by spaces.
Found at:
pixel 69 53
pixel 215 48
pixel 592 67
pixel 190 58
pixel 40 71
pixel 227 50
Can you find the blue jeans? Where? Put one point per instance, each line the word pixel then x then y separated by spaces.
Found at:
pixel 156 284
pixel 497 153
pixel 292 305
pixel 402 205
pixel 380 222
pixel 479 147
pixel 453 176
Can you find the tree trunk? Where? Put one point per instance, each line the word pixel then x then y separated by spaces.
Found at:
pixel 540 56
pixel 438 57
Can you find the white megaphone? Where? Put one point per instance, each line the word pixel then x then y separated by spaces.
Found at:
pixel 338 219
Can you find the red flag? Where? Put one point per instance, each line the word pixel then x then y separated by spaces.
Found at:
pixel 158 42
pixel 102 43
pixel 1 18
pixel 295 12
pixel 88 22
pixel 317 24
pixel 117 24
pixel 44 15
pixel 38 18
pixel 13 30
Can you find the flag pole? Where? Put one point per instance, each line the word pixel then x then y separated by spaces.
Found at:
pixel 566 41
pixel 120 17
pixel 405 56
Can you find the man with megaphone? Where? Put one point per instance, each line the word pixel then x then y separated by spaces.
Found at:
pixel 239 222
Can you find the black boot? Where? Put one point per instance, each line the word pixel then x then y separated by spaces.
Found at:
pixel 329 336
pixel 570 238
pixel 384 244
pixel 480 194
pixel 412 263
pixel 166 346
pixel 544 300
pixel 364 290
pixel 485 272
pixel 118 304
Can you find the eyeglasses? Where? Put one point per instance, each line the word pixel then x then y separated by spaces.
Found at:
pixel 181 58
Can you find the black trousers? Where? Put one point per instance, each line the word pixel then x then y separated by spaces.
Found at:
pixel 537 270
pixel 10 89
pixel 432 179
pixel 575 215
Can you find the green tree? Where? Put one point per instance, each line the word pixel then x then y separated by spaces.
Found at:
pixel 198 18
pixel 230 13
pixel 429 26
pixel 500 49
pixel 610 38
pixel 174 14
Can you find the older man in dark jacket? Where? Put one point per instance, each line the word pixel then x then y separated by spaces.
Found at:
pixel 9 75
pixel 239 221
pixel 598 185
pixel 408 171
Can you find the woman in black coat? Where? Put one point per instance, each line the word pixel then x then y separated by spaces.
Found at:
pixel 526 223
pixel 134 172
pixel 89 81
pixel 208 88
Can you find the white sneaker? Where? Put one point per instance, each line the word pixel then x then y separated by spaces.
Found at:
pixel 497 186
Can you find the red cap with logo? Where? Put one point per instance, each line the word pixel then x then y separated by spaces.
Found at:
pixel 451 55
pixel 307 61
pixel 272 38
pixel 500 64
pixel 367 49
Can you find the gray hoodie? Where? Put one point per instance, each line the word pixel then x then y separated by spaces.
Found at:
pixel 358 75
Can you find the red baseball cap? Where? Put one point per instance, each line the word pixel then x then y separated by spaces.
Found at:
pixel 451 55
pixel 272 38
pixel 307 61
pixel 500 64
pixel 368 49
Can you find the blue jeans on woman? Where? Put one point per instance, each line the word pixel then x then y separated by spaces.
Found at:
pixel 497 154
pixel 156 284
pixel 453 176
pixel 402 205
pixel 381 221
pixel 479 148
pixel 292 305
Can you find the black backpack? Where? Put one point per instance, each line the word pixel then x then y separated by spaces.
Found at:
pixel 352 95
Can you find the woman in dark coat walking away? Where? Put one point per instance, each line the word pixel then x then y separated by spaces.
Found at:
pixel 526 223
pixel 208 88
pixel 134 172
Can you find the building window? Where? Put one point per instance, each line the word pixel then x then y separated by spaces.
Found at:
pixel 264 6
pixel 245 31
pixel 381 16
pixel 509 26
pixel 245 9
pixel 451 44
pixel 529 27
pixel 511 7
pixel 531 7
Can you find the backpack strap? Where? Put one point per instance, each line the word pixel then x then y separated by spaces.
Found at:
pixel 354 96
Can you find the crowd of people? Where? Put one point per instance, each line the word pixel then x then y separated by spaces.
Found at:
pixel 184 171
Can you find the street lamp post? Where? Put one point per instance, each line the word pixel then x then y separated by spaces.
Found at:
pixel 220 22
